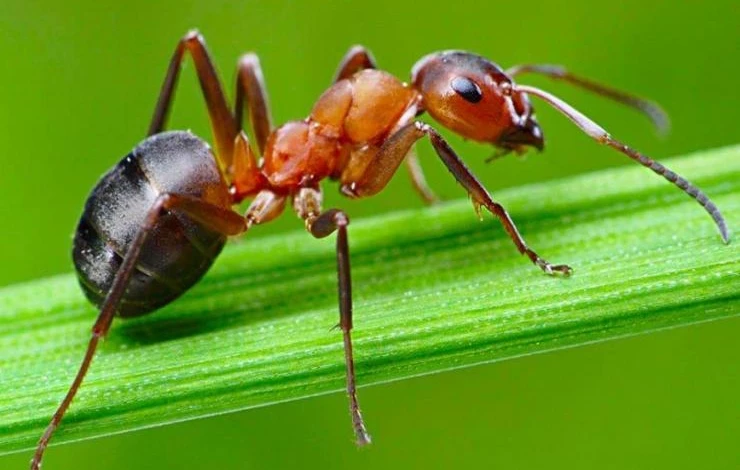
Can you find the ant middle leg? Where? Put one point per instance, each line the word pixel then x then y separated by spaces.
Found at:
pixel 307 204
pixel 223 124
pixel 252 93
pixel 393 150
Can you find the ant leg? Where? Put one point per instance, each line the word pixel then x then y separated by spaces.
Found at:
pixel 219 219
pixel 357 58
pixel 307 204
pixel 265 206
pixel 387 160
pixel 250 87
pixel 245 173
pixel 418 181
pixel 223 125
pixel 654 112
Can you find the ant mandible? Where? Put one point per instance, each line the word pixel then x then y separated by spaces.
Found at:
pixel 153 225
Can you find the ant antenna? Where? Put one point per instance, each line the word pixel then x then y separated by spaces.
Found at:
pixel 650 109
pixel 599 134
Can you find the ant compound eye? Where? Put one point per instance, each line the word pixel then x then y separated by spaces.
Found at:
pixel 467 88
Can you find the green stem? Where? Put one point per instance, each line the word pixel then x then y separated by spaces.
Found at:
pixel 434 290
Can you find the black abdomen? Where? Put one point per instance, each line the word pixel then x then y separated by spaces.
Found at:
pixel 178 251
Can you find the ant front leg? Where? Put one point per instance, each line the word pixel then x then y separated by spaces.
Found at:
pixel 387 160
pixel 307 204
pixel 250 87
pixel 418 181
pixel 223 124
pixel 359 58
pixel 216 218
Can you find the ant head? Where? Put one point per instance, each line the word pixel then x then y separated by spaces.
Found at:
pixel 475 98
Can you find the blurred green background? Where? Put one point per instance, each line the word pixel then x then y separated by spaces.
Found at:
pixel 79 83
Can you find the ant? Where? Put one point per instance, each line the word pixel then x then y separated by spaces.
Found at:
pixel 155 223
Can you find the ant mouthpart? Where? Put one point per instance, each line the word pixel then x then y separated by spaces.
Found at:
pixel 529 134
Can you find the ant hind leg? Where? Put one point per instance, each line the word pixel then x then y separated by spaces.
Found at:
pixel 219 219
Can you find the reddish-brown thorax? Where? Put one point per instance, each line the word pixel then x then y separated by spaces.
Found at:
pixel 345 129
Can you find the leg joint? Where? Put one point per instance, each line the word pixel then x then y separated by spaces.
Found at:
pixel 250 60
pixel 340 218
pixel 328 222
pixel 193 36
pixel 424 128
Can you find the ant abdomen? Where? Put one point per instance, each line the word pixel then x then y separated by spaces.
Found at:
pixel 171 162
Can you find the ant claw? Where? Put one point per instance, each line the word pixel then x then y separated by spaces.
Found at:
pixel 563 269
pixel 552 270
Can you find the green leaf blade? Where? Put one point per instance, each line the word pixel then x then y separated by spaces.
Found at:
pixel 434 290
